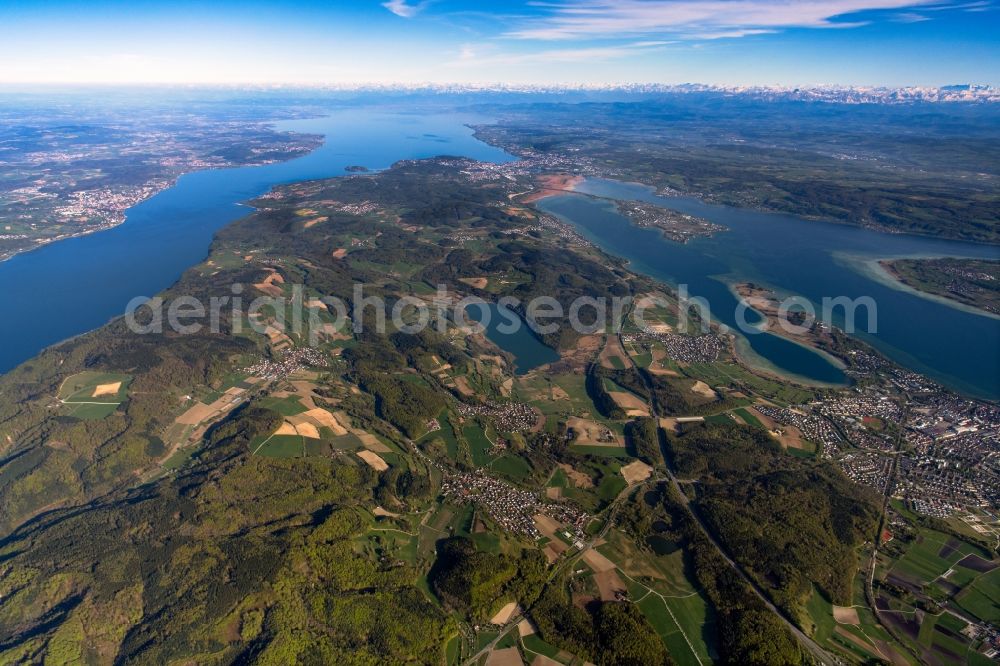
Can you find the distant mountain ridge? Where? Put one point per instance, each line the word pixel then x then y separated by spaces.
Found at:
pixel 838 94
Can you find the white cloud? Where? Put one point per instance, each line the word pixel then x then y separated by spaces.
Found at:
pixel 730 34
pixel 978 6
pixel 401 8
pixel 469 58
pixel 694 19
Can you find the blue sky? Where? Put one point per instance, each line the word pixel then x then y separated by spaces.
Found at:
pixel 730 42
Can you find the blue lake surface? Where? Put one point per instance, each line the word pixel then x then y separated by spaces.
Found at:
pixel 73 286
pixel 959 348
pixel 507 330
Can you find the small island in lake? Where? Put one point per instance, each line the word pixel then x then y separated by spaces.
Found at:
pixel 354 168
pixel 974 282
pixel 676 226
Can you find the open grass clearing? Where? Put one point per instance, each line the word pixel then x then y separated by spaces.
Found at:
pixel 286 406
pixel 95 387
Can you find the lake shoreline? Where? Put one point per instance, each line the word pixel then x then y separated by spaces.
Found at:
pixel 164 185
pixel 763 301
pixel 913 332
pixel 877 270
pixel 742 346
pixel 887 266
pixel 65 289
pixel 755 363
pixel 708 200
pixel 41 243
pixel 553 185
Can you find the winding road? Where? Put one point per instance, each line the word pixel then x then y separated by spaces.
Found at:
pixel 811 646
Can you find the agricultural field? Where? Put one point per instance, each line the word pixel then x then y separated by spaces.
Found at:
pixel 281 446
pixel 446 434
pixel 852 632
pixel 479 444
pixel 658 583
pixel 936 585
pixel 534 647
pixel 748 417
pixel 729 374
pixel 512 467
pixel 928 560
pixel 981 597
pixel 310 430
pixel 286 406
pixel 93 395
pixel 557 396
pixel 334 490
pixel 592 483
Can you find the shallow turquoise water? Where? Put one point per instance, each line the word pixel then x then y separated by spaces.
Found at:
pixel 803 257
pixel 74 286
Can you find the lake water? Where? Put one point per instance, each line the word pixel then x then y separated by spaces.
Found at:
pixel 77 285
pixel 516 338
pixel 956 347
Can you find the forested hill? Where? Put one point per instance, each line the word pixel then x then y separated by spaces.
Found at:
pixel 255 496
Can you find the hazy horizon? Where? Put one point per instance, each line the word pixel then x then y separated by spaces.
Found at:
pixel 891 43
